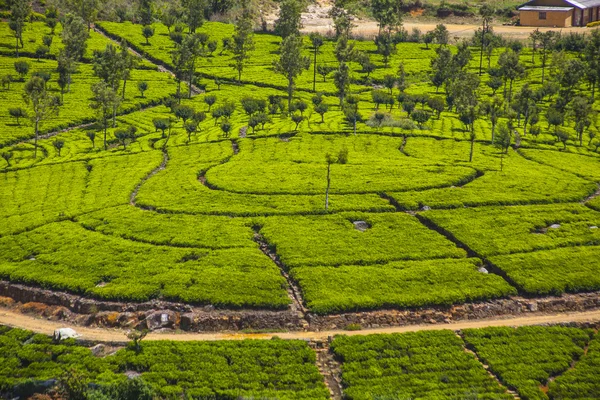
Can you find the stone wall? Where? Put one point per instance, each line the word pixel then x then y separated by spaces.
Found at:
pixel 157 315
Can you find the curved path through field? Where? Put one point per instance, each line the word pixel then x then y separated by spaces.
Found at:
pixel 38 325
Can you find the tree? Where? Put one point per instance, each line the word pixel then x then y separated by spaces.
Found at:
pixel 341 79
pixel 147 32
pixel 17 113
pixel 86 10
pixel 58 145
pixel 243 41
pixel 136 338
pixel 6 81
pixel 226 127
pixel 547 40
pixel 428 39
pixel 441 67
pixel 555 117
pixel 192 48
pixel 105 100
pixel 74 37
pixel 342 19
pixel 503 141
pixel 401 80
pixel 210 99
pixel 8 155
pixel 66 67
pixel 123 135
pixel 581 110
pixel 408 106
pixel 19 12
pixel 146 11
pixel 437 104
pixel 42 105
pixel 161 124
pixel 350 109
pixel 441 34
pixel 51 18
pixel 297 119
pixel 184 112
pixel 41 51
pixel 511 69
pixel 385 46
pixel 420 117
pixel 142 87
pixel 341 158
pixel 388 15
pixel 92 136
pixel 291 62
pixel 22 68
pixel 321 109
pixel 486 12
pixel 194 13
pixel 493 110
pixel 289 22
pixel 317 41
pixel 325 70
pixel 568 77
pixel 591 57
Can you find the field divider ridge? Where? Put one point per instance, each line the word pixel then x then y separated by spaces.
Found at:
pixel 471 350
pixel 294 291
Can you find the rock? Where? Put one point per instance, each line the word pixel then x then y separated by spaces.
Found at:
pixel 65 333
pixel 593 227
pixel 361 225
pixel 426 208
pixel 554 226
pixel 132 374
pixel 98 349
pixel 533 307
pixel 161 319
pixel 483 270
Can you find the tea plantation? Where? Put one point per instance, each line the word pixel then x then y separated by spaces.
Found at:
pixel 370 212
pixel 244 170
pixel 550 362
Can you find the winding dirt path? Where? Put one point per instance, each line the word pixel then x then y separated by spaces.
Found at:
pixel 38 325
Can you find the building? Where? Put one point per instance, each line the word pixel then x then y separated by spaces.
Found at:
pixel 559 13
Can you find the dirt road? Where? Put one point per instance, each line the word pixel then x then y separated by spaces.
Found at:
pixel 369 29
pixel 14 319
pixel 316 19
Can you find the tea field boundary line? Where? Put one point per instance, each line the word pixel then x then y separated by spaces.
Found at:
pixel 471 350
pixel 113 335
pixel 156 170
pixel 519 152
pixel 294 291
pixel 574 362
pixel 329 368
pixel 470 252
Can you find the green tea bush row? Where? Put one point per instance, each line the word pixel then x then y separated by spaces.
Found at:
pixel 333 240
pixel 46 193
pixel 401 284
pixel 427 364
pixel 582 381
pixel 571 270
pixel 491 231
pixel 59 256
pixel 526 358
pixel 178 230
pixel 225 370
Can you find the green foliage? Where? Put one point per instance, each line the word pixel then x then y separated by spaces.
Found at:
pixel 526 358
pixel 413 365
pixel 571 269
pixel 333 240
pixel 400 284
pixel 581 381
pixel 491 231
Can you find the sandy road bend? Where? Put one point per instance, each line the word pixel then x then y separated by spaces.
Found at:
pixel 38 325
